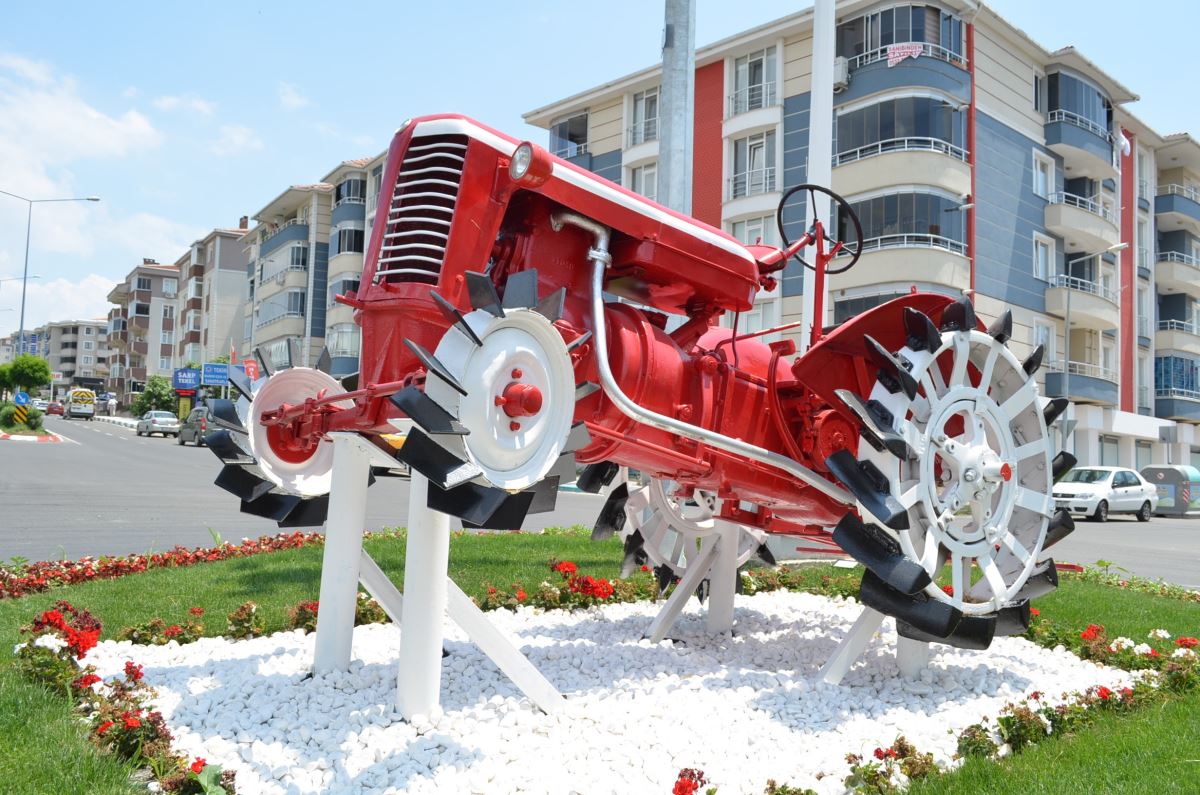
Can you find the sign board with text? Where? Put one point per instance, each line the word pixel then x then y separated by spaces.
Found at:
pixel 186 378
pixel 214 374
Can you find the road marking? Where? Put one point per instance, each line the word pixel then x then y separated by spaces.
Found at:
pixel 67 438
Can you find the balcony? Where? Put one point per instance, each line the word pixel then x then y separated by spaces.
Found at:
pixel 641 132
pixel 902 161
pixel 1176 272
pixel 1085 146
pixel 1181 405
pixel 1083 382
pixel 1090 305
pixel 751 183
pixel 1085 224
pixel 1145 402
pixel 752 108
pixel 139 347
pixel 752 98
pixel 1177 207
pixel 1178 335
pixel 908 259
pixel 139 322
pixel 289 232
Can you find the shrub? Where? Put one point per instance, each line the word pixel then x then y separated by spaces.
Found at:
pixel 244 622
pixel 157 632
pixel 304 616
pixel 58 639
pixel 368 611
pixel 976 741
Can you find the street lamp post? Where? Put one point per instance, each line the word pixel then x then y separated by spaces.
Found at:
pixel 28 228
pixel 1066 379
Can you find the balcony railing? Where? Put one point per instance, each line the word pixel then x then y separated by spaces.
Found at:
pixel 752 183
pixel 1143 258
pixel 1175 256
pixel 1084 286
pixel 1145 397
pixel 909 241
pixel 1173 392
pixel 900 145
pixel 1086 369
pixel 642 131
pixel 1177 325
pixel 1082 202
pixel 927 49
pixel 1143 326
pixel 1175 189
pixel 1143 189
pixel 751 98
pixel 350 200
pixel 571 150
pixel 1079 121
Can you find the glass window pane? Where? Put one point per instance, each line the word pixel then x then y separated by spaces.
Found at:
pixel 917 32
pixel 887 28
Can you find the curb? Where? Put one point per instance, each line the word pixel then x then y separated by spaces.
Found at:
pixel 51 438
pixel 122 421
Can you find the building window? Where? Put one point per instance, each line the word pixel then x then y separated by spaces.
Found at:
pixel 847 308
pixel 141 310
pixel 644 180
pixel 194 321
pixel 1037 93
pixel 756 231
pixel 753 165
pixel 1043 256
pixel 350 190
pixel 1043 175
pixel 920 219
pixel 89 359
pixel 1043 334
pixel 167 338
pixel 342 284
pixel 143 283
pixel 88 345
pixel 168 311
pixel 298 257
pixel 343 339
pixel 295 302
pixel 88 331
pixel 164 362
pixel 1079 102
pixel 373 190
pixel 1110 451
pixel 347 238
pixel 900 124
pixel 867 38
pixel 196 288
pixel 645 117
pixel 169 287
pixel 753 82
pixel 568 137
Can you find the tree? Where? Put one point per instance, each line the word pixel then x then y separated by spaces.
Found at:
pixel 191 364
pixel 157 396
pixel 29 372
pixel 222 359
pixel 6 383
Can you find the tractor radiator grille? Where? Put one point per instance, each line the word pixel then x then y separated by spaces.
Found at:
pixel 422 210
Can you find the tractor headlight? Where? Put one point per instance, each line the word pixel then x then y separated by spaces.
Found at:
pixel 522 159
pixel 530 166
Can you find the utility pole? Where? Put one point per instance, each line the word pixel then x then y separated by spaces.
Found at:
pixel 820 149
pixel 676 102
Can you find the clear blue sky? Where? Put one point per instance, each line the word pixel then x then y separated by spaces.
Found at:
pixel 185 117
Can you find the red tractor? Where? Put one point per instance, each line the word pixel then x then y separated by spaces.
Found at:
pixel 521 315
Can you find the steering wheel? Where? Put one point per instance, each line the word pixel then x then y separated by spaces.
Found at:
pixel 842 204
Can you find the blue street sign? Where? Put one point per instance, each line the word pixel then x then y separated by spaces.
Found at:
pixel 215 374
pixel 21 398
pixel 186 378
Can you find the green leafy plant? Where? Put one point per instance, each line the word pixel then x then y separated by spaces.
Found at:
pixel 304 616
pixel 157 396
pixel 245 622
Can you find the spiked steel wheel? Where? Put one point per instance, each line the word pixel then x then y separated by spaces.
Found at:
pixel 969 488
pixel 670 523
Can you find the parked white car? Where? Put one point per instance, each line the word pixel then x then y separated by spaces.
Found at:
pixel 153 422
pixel 1097 492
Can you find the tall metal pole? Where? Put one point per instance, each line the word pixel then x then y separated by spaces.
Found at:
pixel 1067 364
pixel 677 98
pixel 25 277
pixel 820 148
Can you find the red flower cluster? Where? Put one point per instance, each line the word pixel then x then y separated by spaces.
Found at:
pixel 198 765
pixel 173 631
pixel 1033 611
pixel 130 718
pixel 689 782
pixel 196 611
pixel 1092 632
pixel 597 588
pixel 133 671
pixel 87 680
pixel 1035 695
pixel 1187 643
pixel 1104 693
pixel 948 590
pixel 103 728
pixel 566 568
pixel 81 633
pixel 521 595
pixel 41 576
pixel 886 753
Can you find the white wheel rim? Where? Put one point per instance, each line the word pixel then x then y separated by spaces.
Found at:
pixel 975 516
pixel 523 342
pixel 313 476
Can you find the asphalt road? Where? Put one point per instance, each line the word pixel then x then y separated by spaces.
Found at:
pixel 107 491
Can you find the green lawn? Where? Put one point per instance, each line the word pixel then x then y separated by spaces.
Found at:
pixel 42 749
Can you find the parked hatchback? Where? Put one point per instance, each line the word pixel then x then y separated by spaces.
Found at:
pixel 55 407
pixel 1099 491
pixel 163 422
pixel 194 427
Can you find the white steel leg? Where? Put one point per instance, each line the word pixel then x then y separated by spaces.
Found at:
pixel 852 646
pixel 425 567
pixel 343 546
pixel 722 581
pixel 695 574
pixel 381 588
pixel 912 656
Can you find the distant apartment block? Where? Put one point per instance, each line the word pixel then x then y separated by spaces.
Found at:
pixel 211 301
pixel 142 327
pixel 76 350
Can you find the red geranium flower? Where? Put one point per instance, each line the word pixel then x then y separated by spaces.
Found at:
pixel 566 567
pixel 198 765
pixel 87 680
pixel 1033 611
pixel 1092 631
pixel 1104 693
pixel 520 595
pixel 1186 643
pixel 948 589
pixel 173 630
pixel 103 728
pixel 196 611
pixel 1127 693
pixel 133 671
pixel 1035 695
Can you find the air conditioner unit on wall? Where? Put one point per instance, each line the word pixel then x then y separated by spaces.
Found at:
pixel 841 74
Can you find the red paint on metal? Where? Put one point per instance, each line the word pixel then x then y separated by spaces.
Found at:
pixel 1075 567
pixel 1006 472
pixel 707 143
pixel 970 230
pixel 1128 262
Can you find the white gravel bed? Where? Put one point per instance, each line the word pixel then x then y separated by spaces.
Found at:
pixel 744 708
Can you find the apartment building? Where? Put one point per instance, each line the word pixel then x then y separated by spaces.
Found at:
pixel 142 327
pixel 287 274
pixel 76 350
pixel 211 303
pixel 977 161
pixel 347 242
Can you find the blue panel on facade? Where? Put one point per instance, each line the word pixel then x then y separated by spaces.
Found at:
pixel 1083 387
pixel 795 170
pixel 920 73
pixel 289 234
pixel 348 211
pixel 343 365
pixel 1177 409
pixel 1177 203
pixel 317 301
pixel 1063 132
pixel 583 160
pixel 607 165
pixel 1007 213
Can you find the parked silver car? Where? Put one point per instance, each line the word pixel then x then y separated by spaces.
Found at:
pixel 163 422
pixel 1097 492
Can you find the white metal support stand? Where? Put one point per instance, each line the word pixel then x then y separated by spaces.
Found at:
pixel 852 646
pixel 716 561
pixel 912 656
